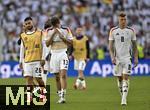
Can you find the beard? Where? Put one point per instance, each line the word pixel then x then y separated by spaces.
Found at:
pixel 30 27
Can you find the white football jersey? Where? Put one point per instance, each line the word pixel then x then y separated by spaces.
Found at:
pixel 122 41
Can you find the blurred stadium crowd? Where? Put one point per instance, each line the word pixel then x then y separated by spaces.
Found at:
pixel 97 16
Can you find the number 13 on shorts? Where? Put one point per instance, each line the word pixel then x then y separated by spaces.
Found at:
pixel 64 64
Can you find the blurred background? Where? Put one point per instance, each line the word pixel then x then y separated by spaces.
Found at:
pixel 97 16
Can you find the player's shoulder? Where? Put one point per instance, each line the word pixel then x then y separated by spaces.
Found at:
pixel 114 28
pixel 38 29
pixel 86 37
pixel 130 28
pixel 49 29
pixel 65 28
pixel 22 34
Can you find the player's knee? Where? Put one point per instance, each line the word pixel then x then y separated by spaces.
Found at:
pixel 125 77
pixel 57 78
pixel 63 76
pixel 29 80
pixel 120 78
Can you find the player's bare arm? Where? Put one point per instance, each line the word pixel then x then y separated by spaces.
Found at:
pixel 111 51
pixel 50 40
pixel 42 62
pixel 135 53
pixel 21 55
pixel 66 41
pixel 20 66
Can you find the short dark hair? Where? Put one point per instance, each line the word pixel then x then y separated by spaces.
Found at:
pixel 27 18
pixel 122 14
pixel 47 24
pixel 54 21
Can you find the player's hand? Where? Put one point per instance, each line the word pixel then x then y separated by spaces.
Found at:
pixel 42 63
pixel 86 60
pixel 60 34
pixel 135 62
pixel 55 31
pixel 70 57
pixel 114 61
pixel 20 66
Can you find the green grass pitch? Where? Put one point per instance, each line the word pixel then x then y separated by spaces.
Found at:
pixel 101 94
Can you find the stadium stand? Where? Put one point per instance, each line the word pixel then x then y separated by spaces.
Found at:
pixel 97 16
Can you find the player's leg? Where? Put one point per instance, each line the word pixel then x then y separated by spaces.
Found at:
pixel 54 68
pixel 119 82
pixel 125 89
pixel 44 76
pixel 29 80
pixel 77 80
pixel 63 82
pixel 125 84
pixel 82 65
pixel 79 65
pixel 118 73
pixel 58 85
pixel 64 62
pixel 37 74
pixel 46 69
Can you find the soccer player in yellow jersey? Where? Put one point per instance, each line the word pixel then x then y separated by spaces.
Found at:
pixel 59 38
pixel 81 56
pixel 31 54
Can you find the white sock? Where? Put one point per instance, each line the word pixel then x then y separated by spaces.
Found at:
pixel 63 92
pixel 125 87
pixel 120 86
pixel 59 93
pixel 78 81
pixel 44 77
pixel 83 83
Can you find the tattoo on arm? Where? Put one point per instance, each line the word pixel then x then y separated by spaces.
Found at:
pixel 135 49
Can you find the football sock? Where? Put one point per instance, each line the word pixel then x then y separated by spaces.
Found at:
pixel 119 82
pixel 83 83
pixel 125 87
pixel 63 92
pixel 78 82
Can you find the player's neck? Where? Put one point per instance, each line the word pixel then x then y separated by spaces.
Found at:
pixel 31 30
pixel 122 27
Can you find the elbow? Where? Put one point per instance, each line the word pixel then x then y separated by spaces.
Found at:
pixel 70 43
pixel 47 44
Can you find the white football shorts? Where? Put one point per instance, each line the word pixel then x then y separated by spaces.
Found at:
pixel 33 69
pixel 79 64
pixel 123 67
pixel 59 60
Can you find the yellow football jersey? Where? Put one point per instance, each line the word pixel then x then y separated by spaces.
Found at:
pixel 79 48
pixel 32 45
